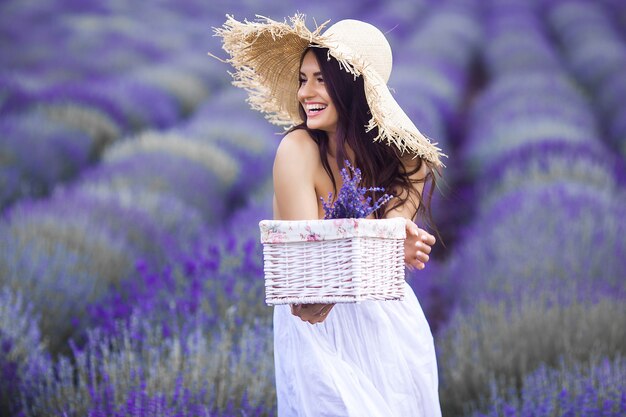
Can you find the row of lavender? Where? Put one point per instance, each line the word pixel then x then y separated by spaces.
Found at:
pixel 124 244
pixel 78 256
pixel 537 277
pixel 72 85
pixel 596 53
pixel 60 110
pixel 185 332
pixel 196 289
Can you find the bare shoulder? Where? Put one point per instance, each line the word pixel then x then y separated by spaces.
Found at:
pixel 295 166
pixel 297 143
pixel 297 153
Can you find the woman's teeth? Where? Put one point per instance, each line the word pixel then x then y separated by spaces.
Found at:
pixel 315 107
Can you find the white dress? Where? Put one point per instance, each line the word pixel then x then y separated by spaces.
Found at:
pixel 372 359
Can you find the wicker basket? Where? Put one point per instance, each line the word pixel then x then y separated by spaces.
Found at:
pixel 333 261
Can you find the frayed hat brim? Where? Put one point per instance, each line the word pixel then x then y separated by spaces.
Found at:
pixel 266 57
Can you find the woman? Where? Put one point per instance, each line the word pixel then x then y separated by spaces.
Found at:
pixel 371 358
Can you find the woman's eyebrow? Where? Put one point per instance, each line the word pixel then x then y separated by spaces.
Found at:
pixel 315 74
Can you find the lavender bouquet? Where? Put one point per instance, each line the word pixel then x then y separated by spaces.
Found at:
pixel 352 202
pixel 349 258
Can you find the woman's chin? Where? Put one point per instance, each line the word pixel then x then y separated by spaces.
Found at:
pixel 312 124
pixel 315 125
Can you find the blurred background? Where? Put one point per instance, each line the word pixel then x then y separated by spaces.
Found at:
pixel 133 177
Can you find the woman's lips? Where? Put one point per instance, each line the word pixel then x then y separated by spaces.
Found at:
pixel 314 113
pixel 314 109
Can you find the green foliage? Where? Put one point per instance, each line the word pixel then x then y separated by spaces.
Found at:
pixel 594 389
pixel 63 264
pixel 228 368
pixel 503 344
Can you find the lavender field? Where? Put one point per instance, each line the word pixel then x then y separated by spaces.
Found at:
pixel 133 177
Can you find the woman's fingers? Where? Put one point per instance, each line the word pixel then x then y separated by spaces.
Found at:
pixel 312 313
pixel 418 264
pixel 427 238
pixel 320 316
pixel 422 257
pixel 423 247
pixel 418 248
pixel 324 313
pixel 411 228
pixel 296 309
pixel 418 245
pixel 419 256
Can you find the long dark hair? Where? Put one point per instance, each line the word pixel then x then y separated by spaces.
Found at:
pixel 380 163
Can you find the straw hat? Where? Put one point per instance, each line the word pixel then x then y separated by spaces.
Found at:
pixel 266 56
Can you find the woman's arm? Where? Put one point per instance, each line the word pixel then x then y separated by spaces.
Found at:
pixel 295 165
pixel 294 177
pixel 418 242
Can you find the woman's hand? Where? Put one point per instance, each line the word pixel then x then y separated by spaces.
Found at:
pixel 417 246
pixel 313 313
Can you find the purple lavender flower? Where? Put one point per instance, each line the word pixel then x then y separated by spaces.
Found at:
pixel 421 110
pixel 595 52
pixel 558 221
pixel 22 353
pixel 489 353
pixel 543 163
pixel 138 372
pixel 62 262
pixel 187 88
pixel 85 94
pixel 571 389
pixel 516 41
pixel 221 273
pixel 351 201
pixel 435 292
pixel 250 142
pixel 593 47
pixel 143 104
pixel 399 16
pixel 14 94
pixel 167 174
pixel 36 153
pixel 611 95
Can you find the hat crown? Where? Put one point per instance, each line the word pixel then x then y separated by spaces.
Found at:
pixel 363 41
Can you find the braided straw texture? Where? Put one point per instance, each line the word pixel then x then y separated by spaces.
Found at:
pixel 343 269
pixel 266 57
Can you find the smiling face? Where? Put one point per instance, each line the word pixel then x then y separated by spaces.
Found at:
pixel 320 111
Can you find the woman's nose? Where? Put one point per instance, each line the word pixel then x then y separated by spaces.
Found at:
pixel 305 90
